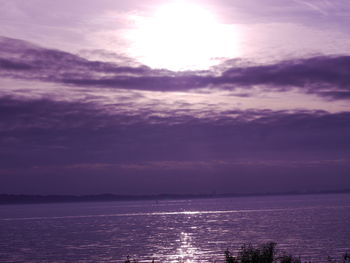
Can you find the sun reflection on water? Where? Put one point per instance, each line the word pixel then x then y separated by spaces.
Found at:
pixel 186 251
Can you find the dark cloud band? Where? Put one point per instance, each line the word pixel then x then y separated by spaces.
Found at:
pixel 325 76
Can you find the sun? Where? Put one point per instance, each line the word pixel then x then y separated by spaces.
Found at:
pixel 182 36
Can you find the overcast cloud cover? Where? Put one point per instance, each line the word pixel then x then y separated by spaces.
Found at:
pixel 79 117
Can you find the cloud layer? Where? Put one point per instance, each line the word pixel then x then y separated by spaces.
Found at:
pixel 326 76
pixel 81 132
pixel 134 142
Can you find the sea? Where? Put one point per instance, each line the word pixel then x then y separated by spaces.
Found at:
pixel 315 228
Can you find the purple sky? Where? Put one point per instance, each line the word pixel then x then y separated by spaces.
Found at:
pixel 137 97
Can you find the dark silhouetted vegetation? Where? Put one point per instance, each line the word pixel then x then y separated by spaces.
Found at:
pixel 265 253
pixel 346 257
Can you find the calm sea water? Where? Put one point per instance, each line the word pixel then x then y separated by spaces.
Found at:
pixel 312 226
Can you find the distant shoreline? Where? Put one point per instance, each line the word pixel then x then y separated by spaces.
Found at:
pixel 6 199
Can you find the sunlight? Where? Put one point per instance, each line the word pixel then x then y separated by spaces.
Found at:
pixel 182 36
pixel 186 251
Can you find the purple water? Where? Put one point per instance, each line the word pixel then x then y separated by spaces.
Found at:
pixel 310 226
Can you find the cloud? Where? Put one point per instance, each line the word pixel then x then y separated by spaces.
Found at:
pixel 326 76
pixel 38 132
pixel 54 146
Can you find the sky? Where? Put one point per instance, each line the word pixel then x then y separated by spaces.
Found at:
pixel 156 96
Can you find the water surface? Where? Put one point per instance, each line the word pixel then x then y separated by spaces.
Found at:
pixel 310 226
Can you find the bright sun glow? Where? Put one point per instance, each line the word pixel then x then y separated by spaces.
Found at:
pixel 182 36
